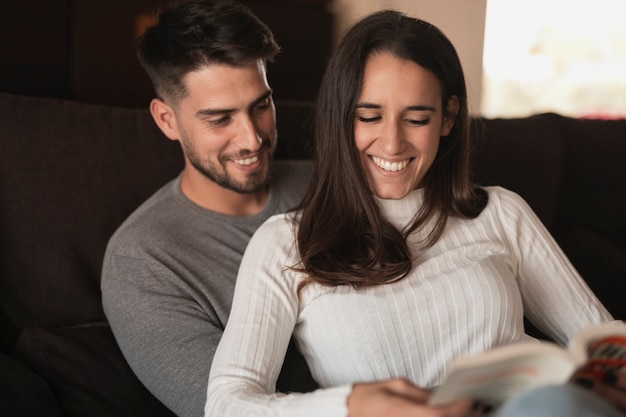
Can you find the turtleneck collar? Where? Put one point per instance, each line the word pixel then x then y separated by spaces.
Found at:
pixel 400 212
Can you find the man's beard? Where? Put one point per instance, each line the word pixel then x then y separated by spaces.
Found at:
pixel 254 182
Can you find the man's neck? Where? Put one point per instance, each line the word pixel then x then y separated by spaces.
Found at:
pixel 211 196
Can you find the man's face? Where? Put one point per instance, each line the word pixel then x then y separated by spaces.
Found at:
pixel 227 125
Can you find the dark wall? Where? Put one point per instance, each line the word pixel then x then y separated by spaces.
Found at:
pixel 304 30
pixel 34 47
pixel 84 49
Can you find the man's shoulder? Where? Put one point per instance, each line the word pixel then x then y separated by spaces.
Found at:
pixel 145 219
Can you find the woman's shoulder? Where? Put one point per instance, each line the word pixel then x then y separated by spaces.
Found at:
pixel 273 245
pixel 497 192
pixel 504 198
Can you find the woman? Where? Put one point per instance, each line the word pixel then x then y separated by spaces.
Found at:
pixel 394 263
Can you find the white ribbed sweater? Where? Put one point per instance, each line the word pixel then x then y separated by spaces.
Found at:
pixel 465 294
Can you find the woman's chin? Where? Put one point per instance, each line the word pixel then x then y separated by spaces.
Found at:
pixel 392 194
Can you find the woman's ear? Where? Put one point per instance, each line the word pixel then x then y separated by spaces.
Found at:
pixel 165 118
pixel 449 116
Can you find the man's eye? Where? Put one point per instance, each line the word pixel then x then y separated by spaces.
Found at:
pixel 219 122
pixel 264 105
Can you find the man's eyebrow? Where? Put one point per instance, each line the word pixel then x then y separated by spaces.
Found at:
pixel 417 107
pixel 212 112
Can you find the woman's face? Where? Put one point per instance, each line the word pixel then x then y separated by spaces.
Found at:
pixel 398 122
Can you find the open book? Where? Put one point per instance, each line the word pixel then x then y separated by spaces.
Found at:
pixel 500 373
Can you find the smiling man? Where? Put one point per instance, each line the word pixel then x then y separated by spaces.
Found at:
pixel 169 271
pixel 226 127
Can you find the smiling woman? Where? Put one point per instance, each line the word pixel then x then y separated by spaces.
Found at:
pixel 394 263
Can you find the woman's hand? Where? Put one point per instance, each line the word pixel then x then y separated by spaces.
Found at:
pixel 399 398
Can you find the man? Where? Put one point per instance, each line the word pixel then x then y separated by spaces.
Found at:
pixel 169 271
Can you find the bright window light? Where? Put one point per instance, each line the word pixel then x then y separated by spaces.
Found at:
pixel 561 56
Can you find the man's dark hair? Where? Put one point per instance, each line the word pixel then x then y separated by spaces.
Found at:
pixel 196 33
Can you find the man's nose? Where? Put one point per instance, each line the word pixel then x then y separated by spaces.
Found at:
pixel 249 137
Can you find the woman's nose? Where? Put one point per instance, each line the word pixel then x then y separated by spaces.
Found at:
pixel 392 139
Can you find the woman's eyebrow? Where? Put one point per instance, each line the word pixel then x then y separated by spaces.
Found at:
pixel 368 106
pixel 416 107
pixel 421 107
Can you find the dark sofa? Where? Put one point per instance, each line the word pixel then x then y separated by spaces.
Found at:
pixel 70 173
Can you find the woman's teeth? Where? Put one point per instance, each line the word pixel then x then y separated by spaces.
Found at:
pixel 390 166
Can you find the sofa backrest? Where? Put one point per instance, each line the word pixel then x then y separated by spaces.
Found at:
pixel 572 173
pixel 591 219
pixel 525 155
pixel 70 173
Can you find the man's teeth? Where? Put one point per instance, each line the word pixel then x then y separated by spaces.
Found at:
pixel 246 161
pixel 390 166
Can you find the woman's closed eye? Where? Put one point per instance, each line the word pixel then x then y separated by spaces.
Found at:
pixel 418 122
pixel 413 122
pixel 368 119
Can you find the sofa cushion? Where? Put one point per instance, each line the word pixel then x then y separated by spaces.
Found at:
pixel 601 263
pixel 86 371
pixel 23 392
pixel 593 194
pixel 591 221
pixel 525 155
pixel 69 176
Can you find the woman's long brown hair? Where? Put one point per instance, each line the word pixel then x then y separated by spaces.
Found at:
pixel 342 237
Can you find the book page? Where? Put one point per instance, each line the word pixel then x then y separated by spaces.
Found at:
pixel 579 345
pixel 496 375
pixel 604 349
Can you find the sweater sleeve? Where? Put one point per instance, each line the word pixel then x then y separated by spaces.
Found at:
pixel 556 298
pixel 166 339
pixel 263 316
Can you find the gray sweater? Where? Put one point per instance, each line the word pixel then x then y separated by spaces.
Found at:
pixel 167 284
